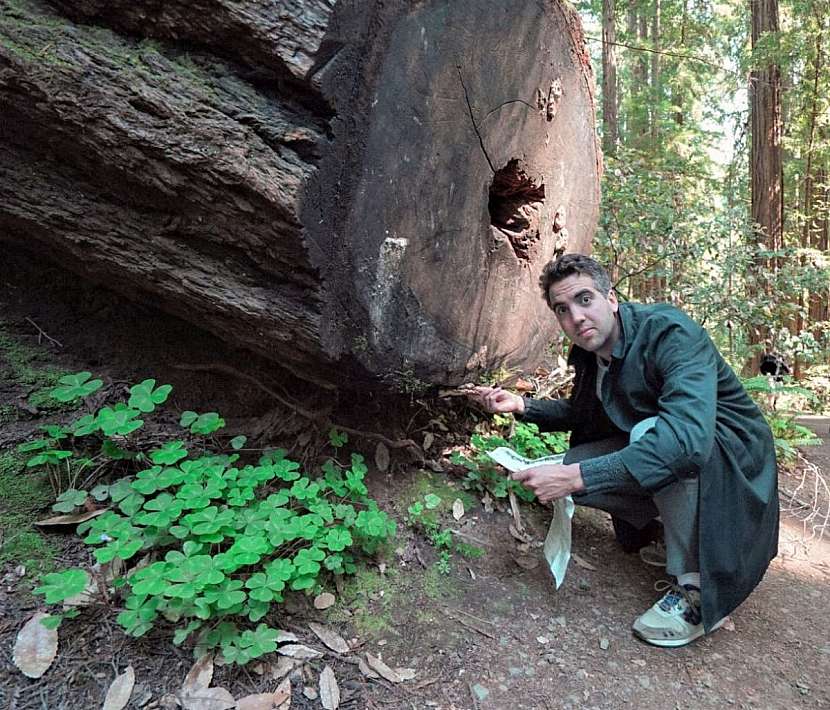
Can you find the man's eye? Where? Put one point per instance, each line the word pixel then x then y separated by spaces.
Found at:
pixel 585 300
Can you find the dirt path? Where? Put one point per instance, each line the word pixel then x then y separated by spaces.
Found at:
pixel 489 634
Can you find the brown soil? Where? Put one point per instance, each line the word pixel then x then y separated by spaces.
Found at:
pixel 490 634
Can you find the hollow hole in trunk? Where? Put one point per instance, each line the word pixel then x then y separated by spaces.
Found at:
pixel 515 206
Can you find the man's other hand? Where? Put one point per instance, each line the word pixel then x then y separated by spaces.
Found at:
pixel 498 401
pixel 551 482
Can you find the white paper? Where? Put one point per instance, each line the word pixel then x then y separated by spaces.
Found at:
pixel 557 548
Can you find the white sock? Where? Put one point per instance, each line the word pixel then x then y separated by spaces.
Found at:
pixel 689 578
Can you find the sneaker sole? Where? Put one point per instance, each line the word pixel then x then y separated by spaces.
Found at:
pixel 677 643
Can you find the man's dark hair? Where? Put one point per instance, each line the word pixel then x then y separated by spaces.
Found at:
pixel 570 264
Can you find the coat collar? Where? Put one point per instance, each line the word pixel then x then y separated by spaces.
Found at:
pixel 624 318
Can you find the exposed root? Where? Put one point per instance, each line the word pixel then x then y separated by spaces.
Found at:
pixel 319 417
pixel 809 501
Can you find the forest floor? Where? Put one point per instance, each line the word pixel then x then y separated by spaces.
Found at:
pixel 488 632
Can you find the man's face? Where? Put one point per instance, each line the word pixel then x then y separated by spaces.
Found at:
pixel 587 316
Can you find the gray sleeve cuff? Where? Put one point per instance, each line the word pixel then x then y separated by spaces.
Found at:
pixel 607 473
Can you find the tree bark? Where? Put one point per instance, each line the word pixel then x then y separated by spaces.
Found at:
pixel 766 171
pixel 361 191
pixel 610 126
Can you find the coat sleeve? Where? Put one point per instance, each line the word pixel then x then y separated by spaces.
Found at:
pixel 682 439
pixel 549 414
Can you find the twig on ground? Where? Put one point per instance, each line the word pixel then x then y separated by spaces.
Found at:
pixel 43 334
pixel 472 627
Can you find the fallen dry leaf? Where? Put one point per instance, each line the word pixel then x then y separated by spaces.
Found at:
pixel 517 513
pixel 380 667
pixel 487 502
pixel 324 600
pixel 458 509
pixel 428 439
pixel 728 624
pixel 521 385
pixel 71 519
pixel 582 562
pixel 286 636
pixel 267 701
pixel 199 676
pixel 334 641
pixel 329 690
pixel 381 456
pixel 209 699
pixel 365 670
pixel 310 693
pixel 282 667
pixel 297 650
pixel 84 597
pixel 406 673
pixel 120 691
pixel 35 647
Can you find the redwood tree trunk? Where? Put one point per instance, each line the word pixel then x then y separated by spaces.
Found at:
pixel 766 178
pixel 354 189
pixel 610 125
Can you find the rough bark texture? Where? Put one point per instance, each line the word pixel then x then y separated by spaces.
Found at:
pixel 353 189
pixel 610 126
pixel 766 168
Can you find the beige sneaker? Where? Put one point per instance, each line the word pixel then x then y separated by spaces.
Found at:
pixel 674 620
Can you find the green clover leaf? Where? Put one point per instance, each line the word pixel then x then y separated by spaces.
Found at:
pixel 69 500
pixel 58 586
pixel 337 539
pixel 120 420
pixel 286 470
pixel 171 453
pixel 205 424
pixel 151 580
pixel 238 442
pixel 75 387
pixel 51 457
pixel 145 396
pixel 432 501
pixel 226 595
pixel 337 438
pixel 139 615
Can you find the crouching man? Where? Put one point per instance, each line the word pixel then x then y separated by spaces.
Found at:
pixel 660 426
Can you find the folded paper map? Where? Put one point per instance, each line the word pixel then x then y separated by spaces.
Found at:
pixel 557 549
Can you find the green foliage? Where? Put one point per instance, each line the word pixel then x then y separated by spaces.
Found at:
pixel 787 433
pixel 74 387
pixel 58 586
pixel 229 538
pixel 486 476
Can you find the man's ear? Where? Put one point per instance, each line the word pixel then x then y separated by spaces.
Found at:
pixel 612 299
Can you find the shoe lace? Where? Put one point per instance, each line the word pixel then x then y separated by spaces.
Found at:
pixel 675 593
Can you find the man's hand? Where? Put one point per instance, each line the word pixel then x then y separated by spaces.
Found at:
pixel 552 481
pixel 498 401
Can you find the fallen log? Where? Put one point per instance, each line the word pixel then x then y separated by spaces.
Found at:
pixel 360 191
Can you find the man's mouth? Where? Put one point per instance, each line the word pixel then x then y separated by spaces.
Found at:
pixel 586 332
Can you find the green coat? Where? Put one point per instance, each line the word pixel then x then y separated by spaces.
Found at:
pixel 665 365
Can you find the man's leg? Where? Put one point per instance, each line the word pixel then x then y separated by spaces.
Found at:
pixel 632 514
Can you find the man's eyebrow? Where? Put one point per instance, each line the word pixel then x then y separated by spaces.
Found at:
pixel 577 295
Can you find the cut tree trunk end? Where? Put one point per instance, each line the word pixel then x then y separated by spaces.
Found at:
pixel 362 192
